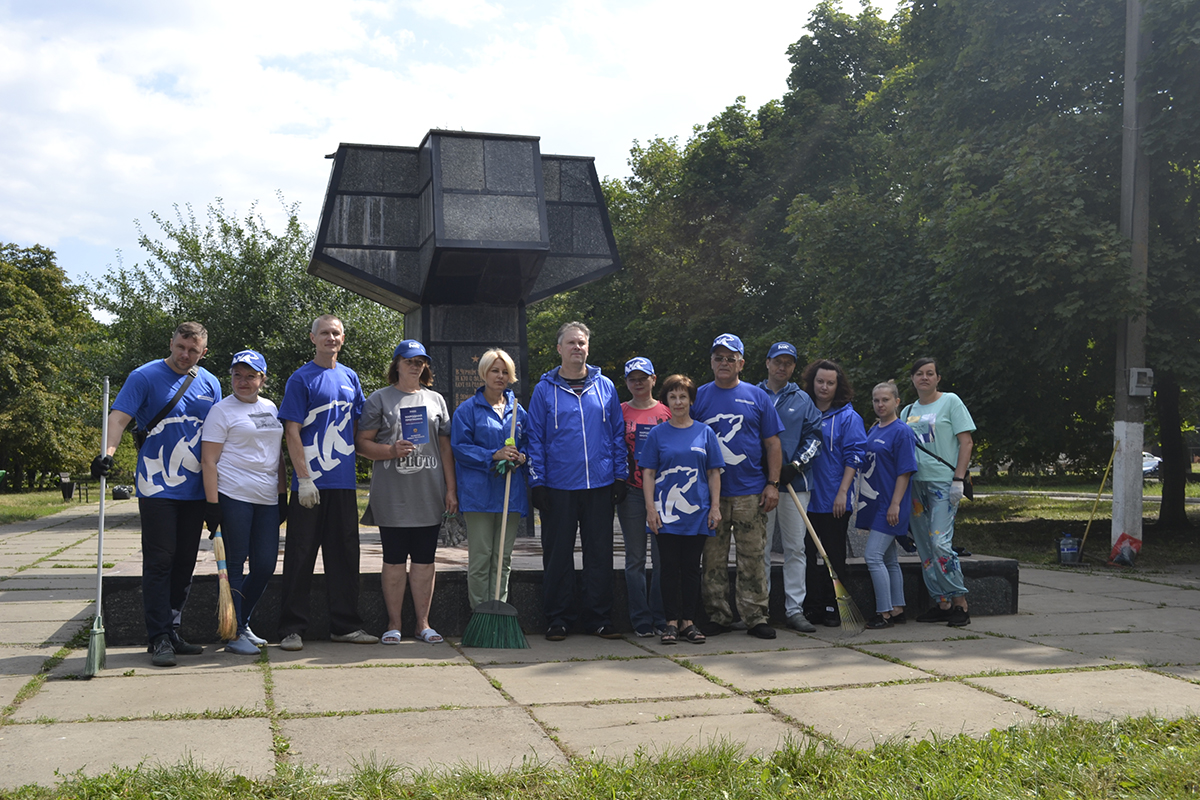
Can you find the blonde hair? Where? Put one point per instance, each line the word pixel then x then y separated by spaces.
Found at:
pixel 487 359
pixel 890 386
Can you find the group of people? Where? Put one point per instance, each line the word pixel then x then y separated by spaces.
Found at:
pixel 684 477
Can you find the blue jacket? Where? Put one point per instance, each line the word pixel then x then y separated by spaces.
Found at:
pixel 843 437
pixel 801 437
pixel 476 433
pixel 576 442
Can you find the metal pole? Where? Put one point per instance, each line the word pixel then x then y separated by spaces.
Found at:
pixel 1129 413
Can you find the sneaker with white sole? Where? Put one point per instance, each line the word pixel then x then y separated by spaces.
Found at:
pixel 242 646
pixel 292 642
pixel 251 636
pixel 357 637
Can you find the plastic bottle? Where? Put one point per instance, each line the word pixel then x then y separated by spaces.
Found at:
pixel 1068 549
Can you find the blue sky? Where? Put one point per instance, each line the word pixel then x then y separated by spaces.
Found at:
pixel 113 110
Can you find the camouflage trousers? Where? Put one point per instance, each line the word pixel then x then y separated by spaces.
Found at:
pixel 742 518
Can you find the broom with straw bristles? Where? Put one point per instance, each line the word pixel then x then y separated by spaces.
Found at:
pixel 226 618
pixel 96 645
pixel 494 623
pixel 852 619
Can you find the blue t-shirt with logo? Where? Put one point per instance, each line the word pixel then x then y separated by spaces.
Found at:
pixel 741 417
pixel 891 451
pixel 326 403
pixel 168 465
pixel 681 458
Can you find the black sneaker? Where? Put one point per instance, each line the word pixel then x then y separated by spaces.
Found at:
pixel 556 633
pixel 959 617
pixel 164 653
pixel 714 629
pixel 762 630
pixel 934 614
pixel 832 618
pixel 185 648
pixel 879 622
pixel 607 632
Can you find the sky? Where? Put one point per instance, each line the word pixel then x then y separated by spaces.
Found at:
pixel 113 109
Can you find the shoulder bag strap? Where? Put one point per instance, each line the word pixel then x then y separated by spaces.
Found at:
pixel 191 376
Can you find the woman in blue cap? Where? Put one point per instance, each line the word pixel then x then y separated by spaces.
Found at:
pixel 405 430
pixel 245 483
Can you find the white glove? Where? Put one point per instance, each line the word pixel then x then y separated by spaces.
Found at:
pixel 310 496
pixel 956 492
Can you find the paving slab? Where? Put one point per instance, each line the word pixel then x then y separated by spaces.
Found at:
pixel 68 594
pixel 133 660
pixel 1133 648
pixel 137 697
pixel 733 642
pixel 40 611
pixel 1156 594
pixel 1060 602
pixel 25 582
pixel 308 691
pixel 1187 673
pixel 587 681
pixel 40 753
pixel 803 669
pixel 1101 695
pixel 24 659
pixel 1089 581
pixel 496 739
pixel 9 686
pixel 863 718
pixel 909 632
pixel 1027 626
pixel 324 653
pixel 987 654
pixel 44 631
pixel 542 651
pixel 620 730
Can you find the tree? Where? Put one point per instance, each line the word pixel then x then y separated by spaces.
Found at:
pixel 49 400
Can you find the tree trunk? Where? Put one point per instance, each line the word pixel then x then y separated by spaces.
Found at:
pixel 1174 468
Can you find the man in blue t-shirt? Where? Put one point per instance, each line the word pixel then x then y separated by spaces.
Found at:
pixel 175 394
pixel 747 427
pixel 320 410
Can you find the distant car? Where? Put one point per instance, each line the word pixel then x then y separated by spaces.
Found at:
pixel 1150 465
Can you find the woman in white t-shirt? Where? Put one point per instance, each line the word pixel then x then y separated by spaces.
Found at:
pixel 245 484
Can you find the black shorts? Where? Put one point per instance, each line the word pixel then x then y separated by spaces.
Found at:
pixel 401 543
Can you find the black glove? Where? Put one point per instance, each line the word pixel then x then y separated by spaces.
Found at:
pixel 788 473
pixel 541 498
pixel 620 490
pixel 212 516
pixel 101 466
pixel 282 507
pixel 907 543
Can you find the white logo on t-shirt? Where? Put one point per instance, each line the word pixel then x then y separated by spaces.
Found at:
pixel 735 424
pixel 671 502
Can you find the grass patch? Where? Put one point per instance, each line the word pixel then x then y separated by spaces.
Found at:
pixel 1138 757
pixel 25 506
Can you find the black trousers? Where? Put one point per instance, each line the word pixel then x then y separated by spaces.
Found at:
pixel 679 560
pixel 590 511
pixel 170 541
pixel 832 531
pixel 331 527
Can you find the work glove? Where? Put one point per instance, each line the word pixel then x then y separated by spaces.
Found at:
pixel 541 498
pixel 309 494
pixel 282 507
pixel 212 516
pixel 956 492
pixel 101 466
pixel 620 490
pixel 788 473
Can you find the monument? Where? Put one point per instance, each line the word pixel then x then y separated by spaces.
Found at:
pixel 461 234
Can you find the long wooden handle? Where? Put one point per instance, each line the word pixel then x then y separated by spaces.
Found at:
pixel 504 515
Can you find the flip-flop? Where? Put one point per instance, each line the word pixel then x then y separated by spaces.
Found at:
pixel 391 637
pixel 430 635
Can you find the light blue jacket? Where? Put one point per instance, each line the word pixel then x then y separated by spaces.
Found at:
pixel 476 433
pixel 576 442
pixel 801 437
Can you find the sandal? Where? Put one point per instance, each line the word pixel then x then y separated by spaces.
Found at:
pixel 670 635
pixel 391 637
pixel 693 635
pixel 430 636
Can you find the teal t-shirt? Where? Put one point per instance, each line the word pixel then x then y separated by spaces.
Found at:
pixel 937 426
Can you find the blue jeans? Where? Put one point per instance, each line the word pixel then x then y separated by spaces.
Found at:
pixel 933 532
pixel 170 540
pixel 884 566
pixel 250 531
pixel 644 609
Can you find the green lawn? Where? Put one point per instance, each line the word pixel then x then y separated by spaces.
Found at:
pixel 35 505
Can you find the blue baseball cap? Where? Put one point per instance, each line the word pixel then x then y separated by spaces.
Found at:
pixel 782 349
pixel 411 348
pixel 729 341
pixel 639 364
pixel 252 359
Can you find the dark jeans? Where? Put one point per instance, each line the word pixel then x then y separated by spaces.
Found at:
pixel 591 512
pixel 331 527
pixel 832 531
pixel 680 568
pixel 250 531
pixel 645 602
pixel 170 540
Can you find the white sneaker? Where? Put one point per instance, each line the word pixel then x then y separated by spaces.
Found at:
pixel 292 642
pixel 253 638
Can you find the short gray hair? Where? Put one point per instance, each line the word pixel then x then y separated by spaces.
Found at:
pixel 587 334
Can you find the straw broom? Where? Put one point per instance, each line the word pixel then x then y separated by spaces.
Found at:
pixel 226 618
pixel 96 655
pixel 493 623
pixel 853 622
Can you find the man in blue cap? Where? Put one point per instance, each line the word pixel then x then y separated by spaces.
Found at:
pixel 320 409
pixel 747 428
pixel 800 441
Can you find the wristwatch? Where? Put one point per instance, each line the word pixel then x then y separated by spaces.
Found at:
pixel 773 483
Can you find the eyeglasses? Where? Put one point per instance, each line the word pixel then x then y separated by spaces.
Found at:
pixel 725 359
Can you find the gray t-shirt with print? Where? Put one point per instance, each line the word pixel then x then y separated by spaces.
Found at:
pixel 406 492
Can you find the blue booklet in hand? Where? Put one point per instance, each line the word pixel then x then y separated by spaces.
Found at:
pixel 639 443
pixel 414 425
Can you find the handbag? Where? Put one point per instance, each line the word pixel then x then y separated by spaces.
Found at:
pixel 141 434
pixel 968 487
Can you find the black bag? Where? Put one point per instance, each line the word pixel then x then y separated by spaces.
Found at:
pixel 141 434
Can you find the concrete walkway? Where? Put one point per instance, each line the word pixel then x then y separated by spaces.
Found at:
pixel 1096 644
